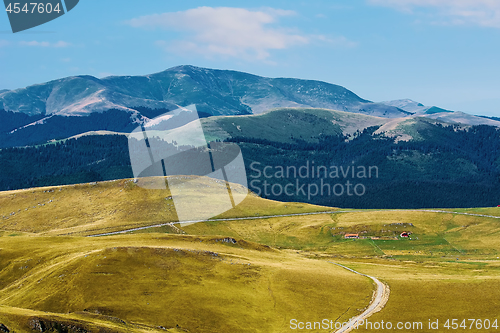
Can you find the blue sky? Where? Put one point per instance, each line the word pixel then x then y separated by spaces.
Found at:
pixel 437 52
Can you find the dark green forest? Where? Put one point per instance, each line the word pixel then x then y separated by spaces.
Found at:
pixel 42 127
pixel 452 168
pixel 455 168
pixel 87 159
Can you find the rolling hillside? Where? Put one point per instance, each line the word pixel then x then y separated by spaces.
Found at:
pixel 86 209
pixel 61 281
pixel 289 124
pixel 252 275
pixel 126 284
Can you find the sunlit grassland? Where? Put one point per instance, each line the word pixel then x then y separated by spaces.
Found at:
pixel 198 283
pixel 434 235
pixel 24 320
pixel 115 205
pixel 437 291
pixel 193 279
pixel 493 211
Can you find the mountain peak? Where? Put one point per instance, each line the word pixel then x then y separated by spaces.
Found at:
pixel 215 92
pixel 406 104
pixel 187 68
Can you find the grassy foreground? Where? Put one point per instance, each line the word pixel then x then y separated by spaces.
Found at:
pixel 197 283
pixel 250 275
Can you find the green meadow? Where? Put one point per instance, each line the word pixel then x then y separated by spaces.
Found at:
pixel 246 275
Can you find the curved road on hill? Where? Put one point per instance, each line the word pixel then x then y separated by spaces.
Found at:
pixel 378 302
pixel 286 215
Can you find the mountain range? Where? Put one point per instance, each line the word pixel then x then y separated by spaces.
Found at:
pixel 70 106
pixel 215 92
pixel 74 130
pixel 447 116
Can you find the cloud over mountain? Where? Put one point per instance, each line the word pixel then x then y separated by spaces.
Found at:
pixel 230 32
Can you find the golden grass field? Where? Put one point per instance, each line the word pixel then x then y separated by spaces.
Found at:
pixel 195 279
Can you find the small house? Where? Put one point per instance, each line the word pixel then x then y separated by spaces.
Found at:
pixel 351 236
pixel 405 235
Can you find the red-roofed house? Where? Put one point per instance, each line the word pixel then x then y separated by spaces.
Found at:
pixel 351 236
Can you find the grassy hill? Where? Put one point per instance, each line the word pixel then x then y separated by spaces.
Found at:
pixel 140 282
pixel 287 125
pixel 251 275
pixel 196 283
pixel 94 208
pixel 434 235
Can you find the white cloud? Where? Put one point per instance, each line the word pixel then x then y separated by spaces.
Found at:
pixel 484 13
pixel 59 44
pixel 224 31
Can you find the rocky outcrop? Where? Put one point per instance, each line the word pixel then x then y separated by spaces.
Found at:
pixel 46 325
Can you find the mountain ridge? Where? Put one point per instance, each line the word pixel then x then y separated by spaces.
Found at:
pixel 214 91
pixel 446 116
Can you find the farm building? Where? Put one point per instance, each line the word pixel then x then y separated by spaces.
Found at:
pixel 351 236
pixel 405 234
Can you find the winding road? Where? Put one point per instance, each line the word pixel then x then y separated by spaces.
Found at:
pixel 285 215
pixel 381 295
pixel 379 300
pixel 211 220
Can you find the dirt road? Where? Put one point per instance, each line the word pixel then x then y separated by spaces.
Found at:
pixel 285 215
pixel 379 300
